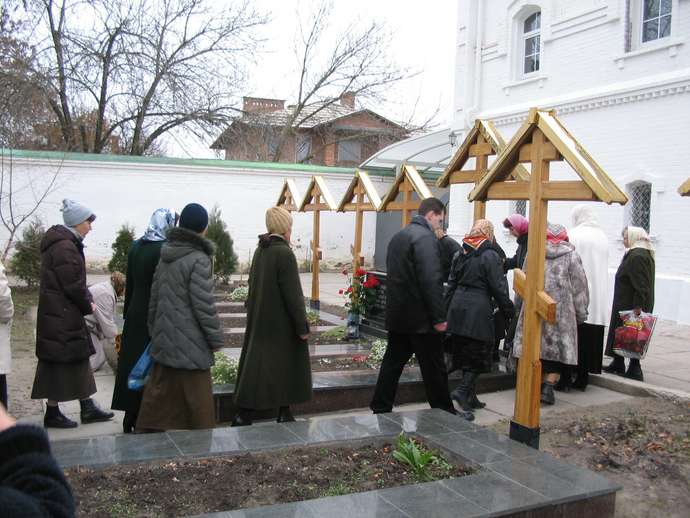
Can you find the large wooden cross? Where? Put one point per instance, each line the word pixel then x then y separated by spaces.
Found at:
pixel 481 142
pixel 289 197
pixel 541 140
pixel 360 197
pixel 684 189
pixel 411 185
pixel 318 198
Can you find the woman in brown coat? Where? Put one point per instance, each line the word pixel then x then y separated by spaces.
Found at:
pixel 63 345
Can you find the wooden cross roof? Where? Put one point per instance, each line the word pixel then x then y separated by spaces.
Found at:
pixel 289 196
pixel 482 139
pixel 409 178
pixel 595 185
pixel 360 183
pixel 684 189
pixel 317 186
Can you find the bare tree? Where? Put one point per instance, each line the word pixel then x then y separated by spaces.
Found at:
pixel 20 197
pixel 128 72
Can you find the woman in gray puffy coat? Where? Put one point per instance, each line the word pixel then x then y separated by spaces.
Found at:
pixel 185 330
pixel 566 282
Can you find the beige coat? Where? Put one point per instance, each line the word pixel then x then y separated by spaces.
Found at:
pixel 101 324
pixel 6 314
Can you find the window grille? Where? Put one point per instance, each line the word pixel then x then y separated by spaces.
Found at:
pixel 656 19
pixel 349 151
pixel 639 208
pixel 518 207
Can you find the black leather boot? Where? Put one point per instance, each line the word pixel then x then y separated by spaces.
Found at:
pixel 129 422
pixel 243 417
pixel 617 366
pixel 56 419
pixel 547 396
pixel 634 371
pixel 90 413
pixel 581 380
pixel 565 382
pixel 474 402
pixel 463 391
pixel 284 415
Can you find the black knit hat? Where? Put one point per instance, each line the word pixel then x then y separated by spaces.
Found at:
pixel 194 217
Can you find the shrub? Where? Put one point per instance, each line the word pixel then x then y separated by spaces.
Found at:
pixel 225 259
pixel 123 242
pixel 240 294
pixel 26 261
pixel 378 349
pixel 224 371
pixel 313 317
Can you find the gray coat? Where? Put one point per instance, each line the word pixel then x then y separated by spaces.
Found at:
pixel 565 281
pixel 183 322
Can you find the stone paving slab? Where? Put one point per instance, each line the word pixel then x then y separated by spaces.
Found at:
pixel 510 476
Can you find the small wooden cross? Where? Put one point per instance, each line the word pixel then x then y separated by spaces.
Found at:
pixel 289 196
pixel 413 188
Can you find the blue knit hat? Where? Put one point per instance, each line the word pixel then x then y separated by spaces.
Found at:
pixel 74 213
pixel 194 217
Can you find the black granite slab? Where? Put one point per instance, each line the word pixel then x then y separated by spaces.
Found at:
pixel 511 479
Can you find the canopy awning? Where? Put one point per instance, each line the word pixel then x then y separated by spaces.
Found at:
pixel 430 152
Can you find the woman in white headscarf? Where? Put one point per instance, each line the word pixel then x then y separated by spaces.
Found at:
pixel 633 290
pixel 593 246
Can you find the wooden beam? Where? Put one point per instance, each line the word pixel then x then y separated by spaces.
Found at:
pixel 568 191
pixel 546 306
pixel 550 153
pixel 316 206
pixel 508 191
pixel 469 176
pixel 315 256
pixel 352 207
pixel 481 149
pixel 482 165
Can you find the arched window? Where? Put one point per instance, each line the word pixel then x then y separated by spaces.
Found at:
pixel 638 211
pixel 656 19
pixel 531 43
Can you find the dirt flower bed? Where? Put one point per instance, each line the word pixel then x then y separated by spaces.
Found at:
pixel 317 338
pixel 179 488
pixel 242 322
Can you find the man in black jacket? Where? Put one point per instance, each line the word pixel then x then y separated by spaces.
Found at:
pixel 415 314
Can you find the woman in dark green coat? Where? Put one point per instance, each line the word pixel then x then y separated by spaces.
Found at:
pixel 633 290
pixel 141 264
pixel 274 369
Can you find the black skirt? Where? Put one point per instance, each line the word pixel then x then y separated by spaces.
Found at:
pixel 590 347
pixel 63 381
pixel 471 354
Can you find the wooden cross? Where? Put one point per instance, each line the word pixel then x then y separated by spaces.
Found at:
pixel 481 142
pixel 360 197
pixel 413 188
pixel 684 189
pixel 541 139
pixel 318 198
pixel 289 197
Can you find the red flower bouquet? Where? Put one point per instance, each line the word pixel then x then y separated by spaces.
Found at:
pixel 361 290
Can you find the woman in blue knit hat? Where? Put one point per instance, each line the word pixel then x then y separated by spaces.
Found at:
pixel 63 344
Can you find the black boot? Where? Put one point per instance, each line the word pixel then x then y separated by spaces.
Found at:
pixel 634 371
pixel 56 419
pixel 90 413
pixel 243 417
pixel 129 422
pixel 474 402
pixel 617 366
pixel 284 415
pixel 547 396
pixel 581 380
pixel 462 392
pixel 565 381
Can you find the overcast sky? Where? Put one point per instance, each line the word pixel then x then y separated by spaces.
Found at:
pixel 424 39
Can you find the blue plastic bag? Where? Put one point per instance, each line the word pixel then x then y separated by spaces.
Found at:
pixel 141 371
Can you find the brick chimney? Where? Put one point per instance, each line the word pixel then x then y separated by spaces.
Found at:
pixel 261 105
pixel 348 99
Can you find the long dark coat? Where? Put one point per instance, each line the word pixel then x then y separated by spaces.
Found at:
pixel 274 368
pixel 633 288
pixel 63 299
pixel 141 265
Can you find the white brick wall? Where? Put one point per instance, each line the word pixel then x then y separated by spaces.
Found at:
pixel 630 111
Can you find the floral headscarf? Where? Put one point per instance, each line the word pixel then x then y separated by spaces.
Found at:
pixel 161 221
pixel 481 231
pixel 638 238
pixel 518 222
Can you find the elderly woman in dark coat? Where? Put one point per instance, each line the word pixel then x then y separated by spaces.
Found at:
pixel 476 280
pixel 63 344
pixel 633 290
pixel 141 264
pixel 274 370
pixel 185 330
